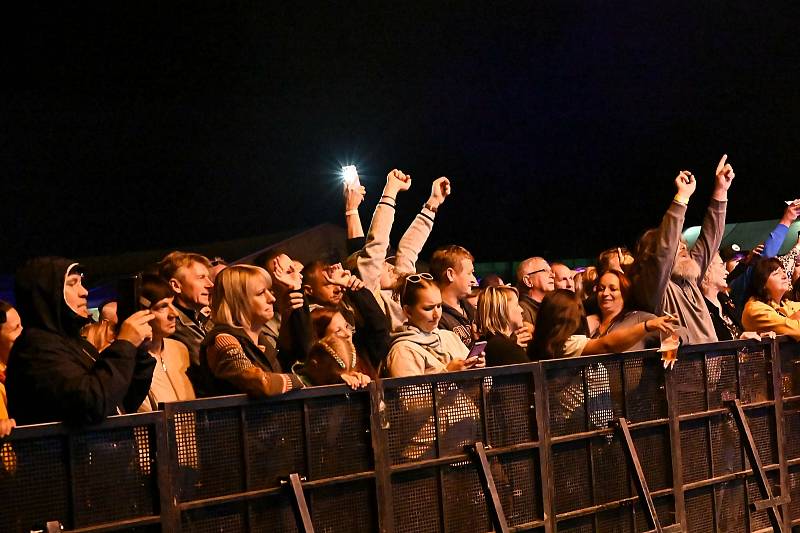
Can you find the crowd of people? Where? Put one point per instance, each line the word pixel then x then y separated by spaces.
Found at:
pixel 198 327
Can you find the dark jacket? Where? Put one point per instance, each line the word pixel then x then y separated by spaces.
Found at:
pixel 502 350
pixel 729 326
pixel 530 308
pixel 191 333
pixel 55 375
pixel 459 322
pixel 236 366
pixel 371 338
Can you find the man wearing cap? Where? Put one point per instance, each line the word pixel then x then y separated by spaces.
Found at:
pixel 731 255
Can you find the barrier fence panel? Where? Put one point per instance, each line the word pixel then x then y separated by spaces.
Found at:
pixel 231 458
pixel 392 457
pixel 103 478
pixel 591 478
pixel 790 390
pixel 719 488
pixel 429 421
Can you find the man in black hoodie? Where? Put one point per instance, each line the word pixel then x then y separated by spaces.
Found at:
pixel 53 373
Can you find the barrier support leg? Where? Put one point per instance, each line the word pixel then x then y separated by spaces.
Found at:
pixel 639 479
pixel 498 516
pixel 768 502
pixel 302 516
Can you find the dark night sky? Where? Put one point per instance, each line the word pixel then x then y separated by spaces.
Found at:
pixel 562 124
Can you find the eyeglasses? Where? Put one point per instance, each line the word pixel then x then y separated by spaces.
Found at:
pixel 218 261
pixel 548 270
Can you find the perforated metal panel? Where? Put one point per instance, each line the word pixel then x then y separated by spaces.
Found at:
pixel 218 440
pixel 33 483
pixel 510 410
pixel 412 427
pixel 652 446
pixel 573 486
pixel 754 378
pixel 689 378
pixel 275 443
pixel 518 485
pixel 126 456
pixel 458 410
pixel 645 394
pixel 567 400
pixel 760 519
pixel 230 518
pixel 272 515
pixel 465 506
pixel 578 525
pixel 794 491
pixel 700 510
pixel 610 470
pixel 726 445
pixel 695 449
pixel 791 416
pixel 346 508
pixel 762 427
pixel 340 442
pixel 721 378
pixel 615 520
pixel 730 506
pixel 415 499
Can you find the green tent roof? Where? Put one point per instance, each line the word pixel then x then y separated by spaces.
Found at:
pixel 748 234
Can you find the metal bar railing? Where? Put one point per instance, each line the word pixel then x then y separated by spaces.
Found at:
pixel 393 457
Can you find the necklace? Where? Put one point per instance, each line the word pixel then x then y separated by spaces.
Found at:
pixel 339 361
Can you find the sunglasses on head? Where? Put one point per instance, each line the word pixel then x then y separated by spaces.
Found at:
pixel 416 278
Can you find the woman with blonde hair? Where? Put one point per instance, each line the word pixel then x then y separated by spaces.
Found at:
pixel 499 317
pixel 234 356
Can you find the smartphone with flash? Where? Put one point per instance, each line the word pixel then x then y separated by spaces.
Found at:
pixel 477 349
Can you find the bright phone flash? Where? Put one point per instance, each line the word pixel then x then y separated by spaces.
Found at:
pixel 349 175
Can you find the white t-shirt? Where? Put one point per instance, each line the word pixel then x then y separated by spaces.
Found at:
pixel 575 345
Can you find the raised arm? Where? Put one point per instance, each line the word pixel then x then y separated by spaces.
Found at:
pixel 655 268
pixel 370 259
pixel 621 339
pixel 714 221
pixel 353 196
pixel 417 234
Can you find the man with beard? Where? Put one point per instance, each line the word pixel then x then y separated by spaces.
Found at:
pixel 666 273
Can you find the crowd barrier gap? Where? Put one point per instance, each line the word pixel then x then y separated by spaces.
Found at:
pixel 610 443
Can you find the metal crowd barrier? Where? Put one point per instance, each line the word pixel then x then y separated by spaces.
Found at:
pixel 610 443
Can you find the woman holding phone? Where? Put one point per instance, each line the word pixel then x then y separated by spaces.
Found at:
pixel 499 316
pixel 420 347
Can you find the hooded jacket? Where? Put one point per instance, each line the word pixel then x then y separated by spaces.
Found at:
pixel 55 375
pixel 415 352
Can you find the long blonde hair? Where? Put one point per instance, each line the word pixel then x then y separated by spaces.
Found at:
pixel 493 315
pixel 229 301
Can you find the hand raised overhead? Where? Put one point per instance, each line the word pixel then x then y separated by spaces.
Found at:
pixel 397 181
pixel 440 189
pixel 724 173
pixel 686 184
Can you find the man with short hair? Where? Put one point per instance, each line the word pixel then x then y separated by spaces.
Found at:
pixel 534 280
pixel 562 277
pixel 453 269
pixel 666 274
pixel 319 290
pixel 188 274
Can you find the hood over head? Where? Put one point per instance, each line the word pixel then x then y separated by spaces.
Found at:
pixel 39 292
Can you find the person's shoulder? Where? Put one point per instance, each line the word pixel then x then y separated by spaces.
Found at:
pixel 176 347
